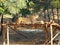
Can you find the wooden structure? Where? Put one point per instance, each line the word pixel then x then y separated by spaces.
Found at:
pixel 36 26
pixel 40 24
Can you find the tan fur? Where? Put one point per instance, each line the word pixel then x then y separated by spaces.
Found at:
pixel 27 20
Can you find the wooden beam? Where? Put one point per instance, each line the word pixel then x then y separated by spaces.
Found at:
pixel 3 37
pixel 7 35
pixel 38 24
pixel 54 37
pixel 51 34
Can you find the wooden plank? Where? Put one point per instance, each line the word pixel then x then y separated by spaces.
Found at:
pixel 51 31
pixel 7 35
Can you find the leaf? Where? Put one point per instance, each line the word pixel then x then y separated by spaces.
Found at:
pixel 31 4
pixel 1 10
pixel 14 6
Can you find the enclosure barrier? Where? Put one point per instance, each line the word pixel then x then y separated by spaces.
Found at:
pixel 5 33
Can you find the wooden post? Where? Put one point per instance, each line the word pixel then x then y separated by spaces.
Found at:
pixel 3 34
pixel 51 34
pixel 3 37
pixel 46 30
pixel 7 35
pixel 59 40
pixel 54 37
pixel 2 31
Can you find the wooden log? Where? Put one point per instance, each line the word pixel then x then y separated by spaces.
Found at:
pixel 2 31
pixel 34 25
pixel 54 37
pixel 7 33
pixel 3 37
pixel 51 34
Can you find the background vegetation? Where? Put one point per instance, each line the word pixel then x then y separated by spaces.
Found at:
pixel 26 7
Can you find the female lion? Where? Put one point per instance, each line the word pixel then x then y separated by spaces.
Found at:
pixel 27 20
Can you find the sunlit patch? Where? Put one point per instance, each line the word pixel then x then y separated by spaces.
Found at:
pixel 55 17
pixel 7 16
pixel 31 30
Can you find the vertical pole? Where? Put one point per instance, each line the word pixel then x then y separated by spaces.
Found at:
pixel 46 32
pixel 53 37
pixel 59 40
pixel 51 34
pixel 2 31
pixel 3 37
pixel 7 35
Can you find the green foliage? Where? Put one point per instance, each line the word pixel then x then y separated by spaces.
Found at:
pixel 14 6
pixel 1 10
pixel 31 4
pixel 34 5
pixel 24 6
pixel 25 12
pixel 14 18
pixel 1 4
pixel 47 4
pixel 55 3
pixel 21 4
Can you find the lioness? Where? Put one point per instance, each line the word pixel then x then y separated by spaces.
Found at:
pixel 27 20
